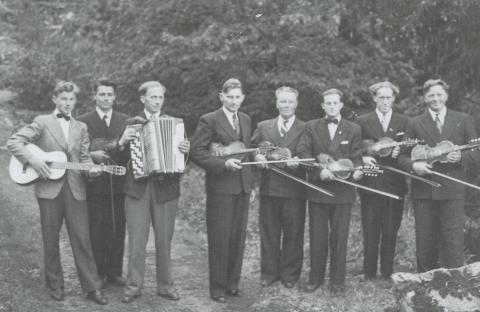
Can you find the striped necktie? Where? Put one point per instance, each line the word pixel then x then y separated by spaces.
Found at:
pixel 236 124
pixel 438 123
pixel 283 128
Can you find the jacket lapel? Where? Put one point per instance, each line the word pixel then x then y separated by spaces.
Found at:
pixel 448 125
pixel 73 134
pixel 225 124
pixel 429 127
pixel 273 134
pixel 55 130
pixel 244 128
pixel 323 134
pixel 376 126
pixel 292 133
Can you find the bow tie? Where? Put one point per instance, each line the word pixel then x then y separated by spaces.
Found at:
pixel 332 120
pixel 60 115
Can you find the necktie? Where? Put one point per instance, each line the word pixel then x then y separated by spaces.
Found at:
pixel 60 115
pixel 438 123
pixel 105 120
pixel 332 120
pixel 384 123
pixel 283 128
pixel 236 124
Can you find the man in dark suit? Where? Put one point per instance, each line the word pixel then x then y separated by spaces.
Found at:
pixel 150 200
pixel 439 212
pixel 105 197
pixel 381 216
pixel 63 198
pixel 228 187
pixel 330 138
pixel 282 201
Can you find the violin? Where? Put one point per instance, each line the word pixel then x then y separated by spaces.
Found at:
pixel 236 149
pixel 440 151
pixel 384 146
pixel 343 168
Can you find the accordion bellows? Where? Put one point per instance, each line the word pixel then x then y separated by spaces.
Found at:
pixel 154 151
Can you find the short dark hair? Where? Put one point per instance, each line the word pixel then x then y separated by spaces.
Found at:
pixel 232 83
pixel 332 91
pixel 104 82
pixel 65 86
pixel 434 82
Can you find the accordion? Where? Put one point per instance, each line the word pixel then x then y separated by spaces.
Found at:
pixel 154 151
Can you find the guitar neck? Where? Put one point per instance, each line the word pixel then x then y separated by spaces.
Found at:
pixel 467 146
pixel 72 166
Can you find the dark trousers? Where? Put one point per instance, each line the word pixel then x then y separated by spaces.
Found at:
pixel 381 218
pixel 329 226
pixel 281 255
pixel 226 229
pixel 140 213
pixel 75 213
pixel 107 244
pixel 439 231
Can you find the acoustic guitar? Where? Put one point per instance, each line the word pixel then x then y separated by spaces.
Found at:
pixel 57 161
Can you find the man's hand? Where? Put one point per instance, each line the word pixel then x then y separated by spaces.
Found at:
pixel 100 157
pixel 233 164
pixel 261 157
pixel 326 175
pixel 357 175
pixel 94 172
pixel 421 168
pixel 184 146
pixel 40 167
pixel 293 164
pixel 369 161
pixel 128 135
pixel 395 152
pixel 454 156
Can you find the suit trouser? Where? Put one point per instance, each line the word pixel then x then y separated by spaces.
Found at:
pixel 139 214
pixel 226 229
pixel 281 257
pixel 329 226
pixel 439 231
pixel 75 213
pixel 381 218
pixel 108 245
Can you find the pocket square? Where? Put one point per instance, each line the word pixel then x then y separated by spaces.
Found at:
pixel 400 133
pixel 344 142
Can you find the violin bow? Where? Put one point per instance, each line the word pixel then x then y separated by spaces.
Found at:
pixel 432 183
pixel 394 196
pixel 455 180
pixel 306 183
pixel 276 161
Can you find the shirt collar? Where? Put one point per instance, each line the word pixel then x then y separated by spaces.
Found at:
pixel 56 111
pixel 381 115
pixel 441 114
pixel 102 113
pixel 228 113
pixel 149 115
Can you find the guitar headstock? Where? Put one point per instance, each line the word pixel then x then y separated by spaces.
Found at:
pixel 412 142
pixel 474 144
pixel 115 170
pixel 371 171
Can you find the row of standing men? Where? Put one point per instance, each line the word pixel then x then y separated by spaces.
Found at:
pixel 97 228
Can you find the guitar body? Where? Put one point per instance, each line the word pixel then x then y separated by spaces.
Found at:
pixel 25 175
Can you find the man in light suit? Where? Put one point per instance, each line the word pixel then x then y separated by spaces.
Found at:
pixel 228 187
pixel 332 138
pixel 106 218
pixel 282 200
pixel 152 200
pixel 64 198
pixel 439 212
pixel 381 216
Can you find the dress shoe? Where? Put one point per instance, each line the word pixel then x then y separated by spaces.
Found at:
pixel 57 294
pixel 170 295
pixel 116 280
pixel 234 293
pixel 97 297
pixel 309 288
pixel 266 283
pixel 129 298
pixel 220 299
pixel 288 284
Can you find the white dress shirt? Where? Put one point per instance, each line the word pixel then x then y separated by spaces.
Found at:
pixel 102 113
pixel 149 115
pixel 332 127
pixel 441 115
pixel 384 119
pixel 281 123
pixel 229 115
pixel 64 124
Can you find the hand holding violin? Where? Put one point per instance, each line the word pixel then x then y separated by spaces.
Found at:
pixel 293 164
pixel 327 175
pixel 357 175
pixel 261 158
pixel 421 168
pixel 369 161
pixel 233 164
pixel 454 157
pixel 395 152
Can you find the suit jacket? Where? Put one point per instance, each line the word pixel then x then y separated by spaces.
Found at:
pixel 274 184
pixel 214 127
pixel 346 144
pixel 457 128
pixel 372 130
pixel 167 187
pixel 45 132
pixel 97 129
